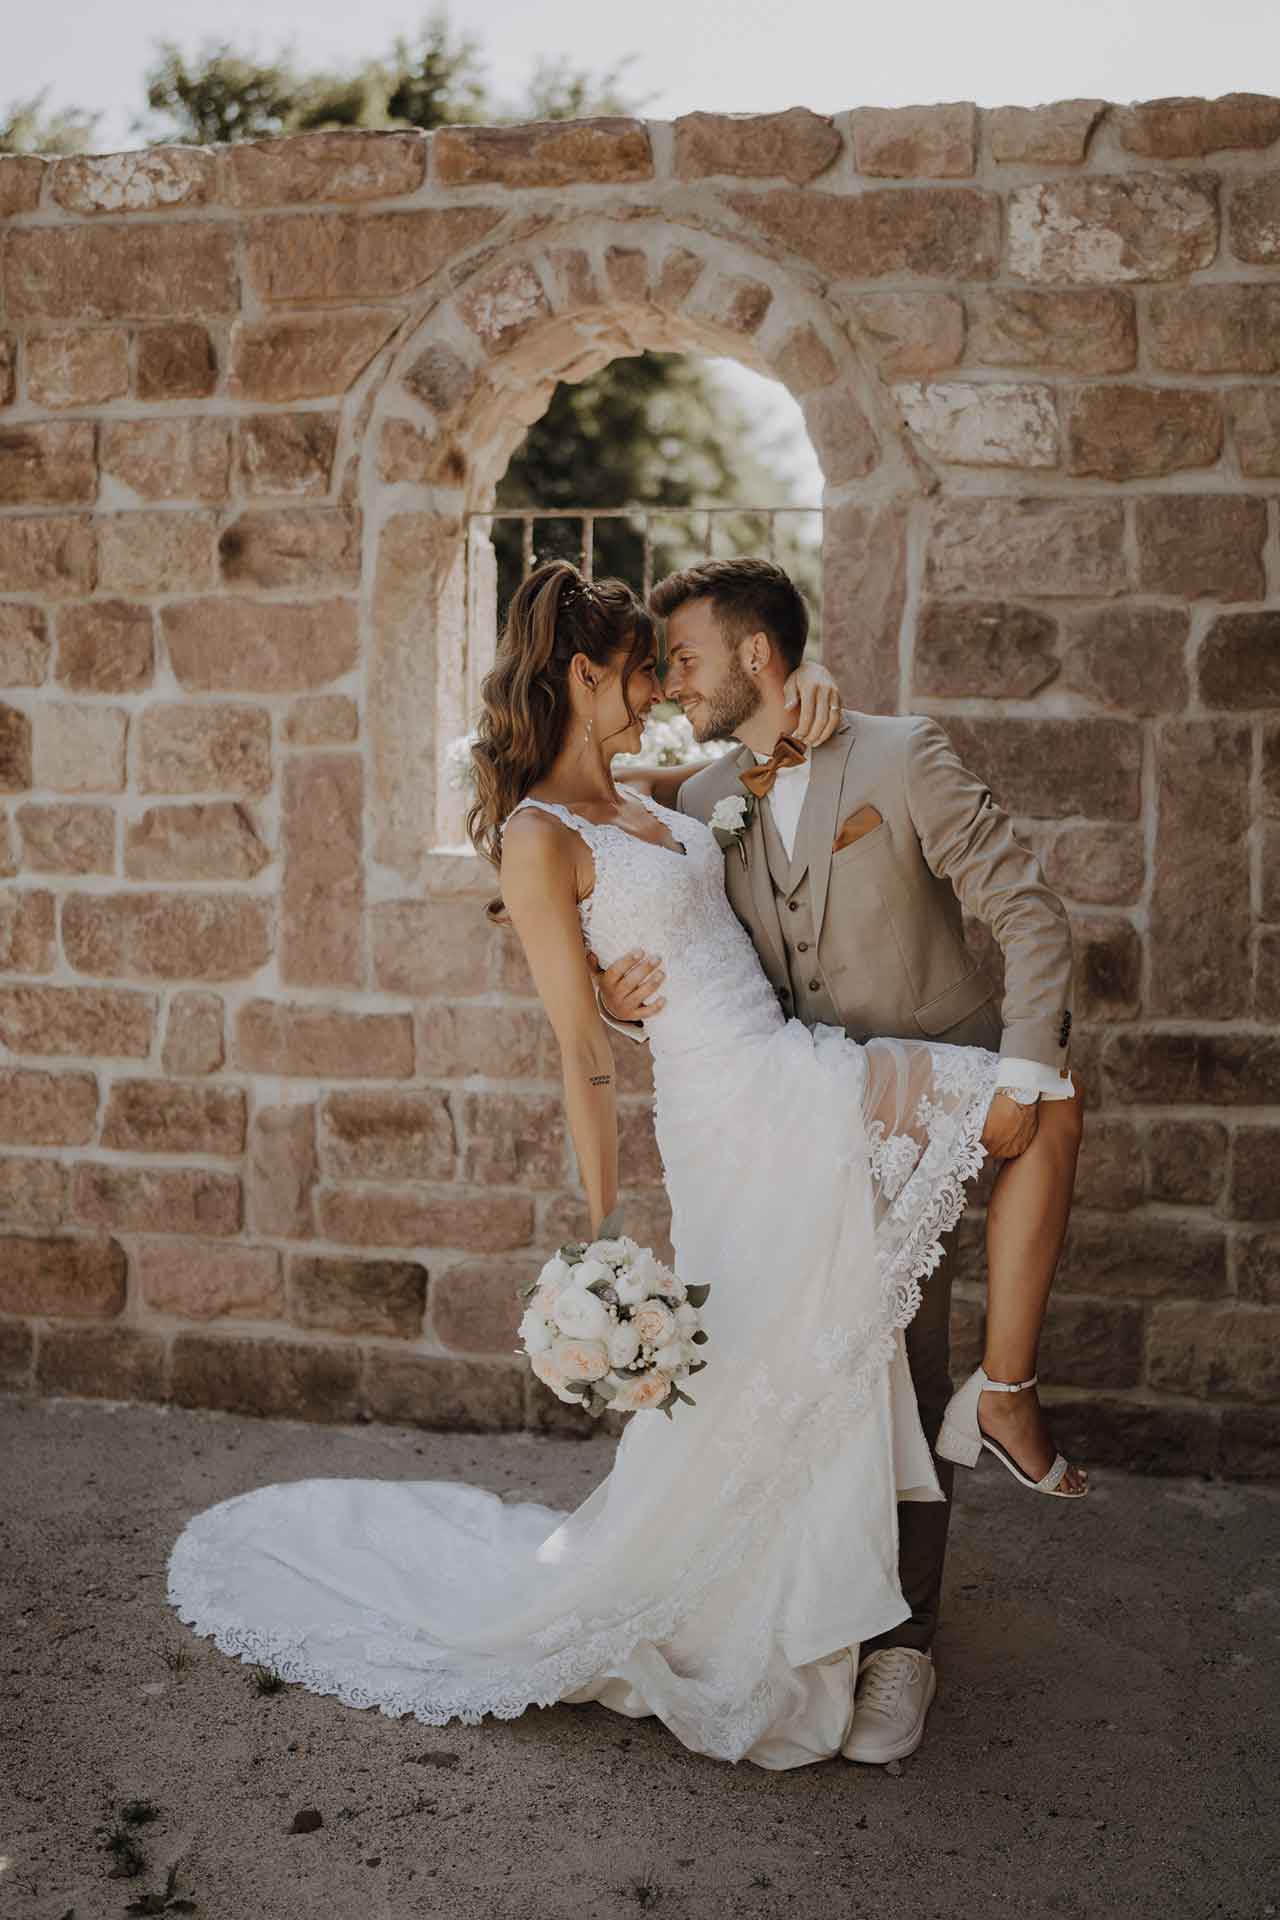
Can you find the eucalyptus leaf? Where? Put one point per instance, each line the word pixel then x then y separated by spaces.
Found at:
pixel 699 1338
pixel 696 1296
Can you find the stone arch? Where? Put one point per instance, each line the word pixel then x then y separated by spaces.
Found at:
pixel 465 383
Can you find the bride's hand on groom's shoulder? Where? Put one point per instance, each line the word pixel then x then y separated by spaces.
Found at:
pixel 629 989
pixel 812 691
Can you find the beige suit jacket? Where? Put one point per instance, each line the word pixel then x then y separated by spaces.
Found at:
pixel 887 908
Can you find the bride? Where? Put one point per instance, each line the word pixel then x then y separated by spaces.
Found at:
pixel 724 1573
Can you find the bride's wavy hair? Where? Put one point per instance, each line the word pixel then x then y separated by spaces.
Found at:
pixel 556 613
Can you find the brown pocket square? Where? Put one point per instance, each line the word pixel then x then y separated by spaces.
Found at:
pixel 863 820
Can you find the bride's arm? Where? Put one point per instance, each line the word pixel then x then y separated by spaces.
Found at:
pixel 541 896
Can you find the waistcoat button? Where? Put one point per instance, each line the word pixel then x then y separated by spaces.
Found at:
pixel 814 986
pixel 793 906
pixel 802 946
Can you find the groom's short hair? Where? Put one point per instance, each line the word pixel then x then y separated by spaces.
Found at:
pixel 747 596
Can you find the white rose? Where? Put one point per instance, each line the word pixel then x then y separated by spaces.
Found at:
pixel 581 1359
pixel 730 813
pixel 580 1315
pixel 688 1319
pixel 588 1272
pixel 624 1345
pixel 534 1331
pixel 671 1357
pixel 555 1276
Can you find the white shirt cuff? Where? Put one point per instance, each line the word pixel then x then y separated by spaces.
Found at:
pixel 1035 1077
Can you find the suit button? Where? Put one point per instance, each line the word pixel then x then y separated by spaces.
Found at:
pixel 802 946
pixel 793 906
pixel 814 986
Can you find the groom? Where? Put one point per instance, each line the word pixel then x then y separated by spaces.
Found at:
pixel 850 877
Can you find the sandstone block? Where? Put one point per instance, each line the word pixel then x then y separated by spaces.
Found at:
pixel 1200 900
pixel 187 458
pixel 155 180
pixel 476 1306
pixel 310 547
pixel 437 946
pixel 1255 220
pixel 47 1109
pixel 1091 1343
pixel 1136 1435
pixel 1192 1069
pixel 282 1171
pixel 731 302
pixel 175 362
pixel 796 145
pixel 487 1220
pixel 864 557
pixel 647 1217
pixel 803 362
pixel 1254 413
pixel 432 1391
pixel 1100 865
pixel 229 645
pixel 500 1043
pixel 626 272
pixel 322 894
pixel 841 435
pixel 1239 663
pixel 48 465
pixel 1098 228
pixel 193 1034
pixel 678 273
pixel 387 1136
pixel 24 645
pixel 213 842
pixel 1056 135
pixel 199 749
pixel 1227 1351
pixel 550 153
pixel 502 306
pixel 107 1022
pixel 1267 980
pixel 1257 1268
pixel 53 555
pixel 1271 770
pixel 1187 1160
pixel 287 453
pixel 305 355
pixel 21 178
pixel 157 1116
pixel 15 750
pixel 8 369
pixel 1044 547
pixel 1054 767
pixel 986 649
pixel 79 749
pixel 1109 1173
pixel 28 936
pixel 101 1363
pixel 188 1200
pixel 168 935
pixel 209 1280
pixel 1199 546
pixel 1249 1448
pixel 937 233
pixel 1108 967
pixel 105 646
pixel 1142 1257
pixel 911 143
pixel 345 164
pixel 1072 330
pixel 441 378
pixel 1123 432
pixel 1214 329
pixel 407 454
pixel 175 271
pixel 342 1295
pixel 639 1162
pixel 33 1193
pixel 1254 1190
pixel 322 720
pixel 1188 129
pixel 77 366
pixel 514 1139
pixel 1129 657
pixel 323 1043
pixel 358 256
pixel 285 1379
pixel 987 424
pixel 78 1276
pixel 156 552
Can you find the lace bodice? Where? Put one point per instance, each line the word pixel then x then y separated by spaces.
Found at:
pixel 673 904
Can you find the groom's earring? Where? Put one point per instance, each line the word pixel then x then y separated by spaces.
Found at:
pixel 586 738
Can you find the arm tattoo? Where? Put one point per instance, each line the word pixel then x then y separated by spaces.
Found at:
pixel 601 1079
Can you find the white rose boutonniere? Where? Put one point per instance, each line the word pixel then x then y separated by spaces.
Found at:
pixel 729 820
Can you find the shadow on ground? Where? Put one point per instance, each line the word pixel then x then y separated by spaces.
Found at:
pixel 1103 1741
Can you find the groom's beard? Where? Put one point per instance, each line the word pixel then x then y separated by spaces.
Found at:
pixel 734 701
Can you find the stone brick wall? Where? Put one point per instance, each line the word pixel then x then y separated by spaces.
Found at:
pixel 279 1120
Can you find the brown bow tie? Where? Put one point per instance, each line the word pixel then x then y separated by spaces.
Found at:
pixel 787 753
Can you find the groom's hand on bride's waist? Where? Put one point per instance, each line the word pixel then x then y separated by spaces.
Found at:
pixel 1010 1128
pixel 630 989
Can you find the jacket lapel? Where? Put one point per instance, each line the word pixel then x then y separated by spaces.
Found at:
pixel 817 825
pixel 764 901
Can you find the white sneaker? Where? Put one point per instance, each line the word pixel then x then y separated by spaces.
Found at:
pixel 895 1689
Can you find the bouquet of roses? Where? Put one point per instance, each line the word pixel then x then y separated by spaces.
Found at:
pixel 607 1325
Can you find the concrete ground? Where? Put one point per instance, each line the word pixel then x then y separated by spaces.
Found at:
pixel 1103 1741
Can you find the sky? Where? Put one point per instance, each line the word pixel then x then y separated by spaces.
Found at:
pixel 725 56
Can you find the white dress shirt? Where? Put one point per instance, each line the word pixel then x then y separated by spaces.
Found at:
pixel 786 800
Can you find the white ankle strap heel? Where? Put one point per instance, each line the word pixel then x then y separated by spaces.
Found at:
pixel 962 1439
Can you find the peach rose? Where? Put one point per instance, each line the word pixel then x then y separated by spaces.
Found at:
pixel 581 1359
pixel 647 1390
pixel 654 1323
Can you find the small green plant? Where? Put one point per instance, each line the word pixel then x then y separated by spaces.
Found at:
pixel 137 1813
pixel 177 1659
pixel 129 1856
pixel 265 1681
pixel 170 1901
pixel 643 1889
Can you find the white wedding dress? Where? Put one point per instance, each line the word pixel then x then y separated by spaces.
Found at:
pixel 724 1572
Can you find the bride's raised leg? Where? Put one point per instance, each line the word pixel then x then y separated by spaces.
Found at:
pixel 1026 1225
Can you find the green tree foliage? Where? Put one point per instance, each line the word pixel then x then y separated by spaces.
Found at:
pixel 25 127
